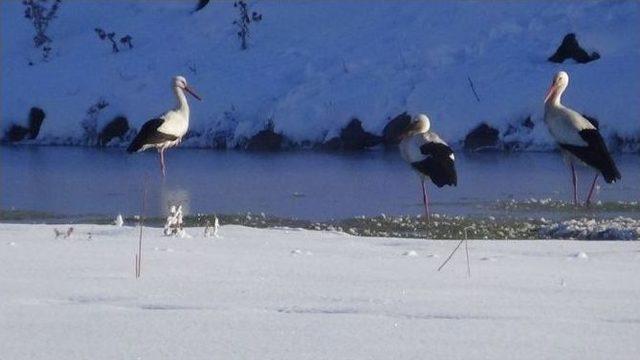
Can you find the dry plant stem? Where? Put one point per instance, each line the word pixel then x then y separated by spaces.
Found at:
pixel 450 255
pixel 466 247
pixel 138 266
pixel 473 88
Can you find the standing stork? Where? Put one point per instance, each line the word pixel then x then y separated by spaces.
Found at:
pixel 168 129
pixel 428 155
pixel 579 140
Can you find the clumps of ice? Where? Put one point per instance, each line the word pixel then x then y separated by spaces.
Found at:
pixel 488 258
pixel 118 221
pixel 547 204
pixel 581 255
pixel 211 230
pixel 174 225
pixel 619 228
pixel 164 249
pixel 296 252
pixel 410 253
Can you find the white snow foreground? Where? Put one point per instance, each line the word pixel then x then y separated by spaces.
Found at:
pixel 253 296
pixel 312 66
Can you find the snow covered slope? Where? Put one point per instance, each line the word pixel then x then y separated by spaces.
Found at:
pixel 292 294
pixel 311 66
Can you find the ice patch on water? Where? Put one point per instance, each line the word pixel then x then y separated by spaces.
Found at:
pixel 619 228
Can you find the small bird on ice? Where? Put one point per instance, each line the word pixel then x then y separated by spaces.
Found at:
pixel 579 140
pixel 168 129
pixel 428 155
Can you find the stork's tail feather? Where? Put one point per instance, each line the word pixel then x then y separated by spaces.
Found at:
pixel 446 175
pixel 611 173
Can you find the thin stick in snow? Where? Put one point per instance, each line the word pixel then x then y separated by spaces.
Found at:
pixel 473 88
pixel 451 255
pixel 138 264
pixel 466 246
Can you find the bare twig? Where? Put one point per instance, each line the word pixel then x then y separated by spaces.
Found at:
pixel 138 255
pixel 473 88
pixel 466 246
pixel 466 249
pixel 450 255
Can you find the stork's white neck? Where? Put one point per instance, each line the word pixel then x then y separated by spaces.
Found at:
pixel 183 106
pixel 556 96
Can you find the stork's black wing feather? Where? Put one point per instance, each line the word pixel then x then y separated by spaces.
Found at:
pixel 438 164
pixel 149 134
pixel 595 154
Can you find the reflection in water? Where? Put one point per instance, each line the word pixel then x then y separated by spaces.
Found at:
pixel 306 185
pixel 169 197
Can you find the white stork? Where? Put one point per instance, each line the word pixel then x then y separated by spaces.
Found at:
pixel 579 140
pixel 168 129
pixel 428 155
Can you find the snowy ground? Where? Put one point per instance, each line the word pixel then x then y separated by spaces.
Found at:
pixel 294 294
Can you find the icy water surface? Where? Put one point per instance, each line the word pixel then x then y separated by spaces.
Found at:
pixel 302 185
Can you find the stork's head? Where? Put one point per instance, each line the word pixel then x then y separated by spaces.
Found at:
pixel 181 83
pixel 419 124
pixel 560 82
pixel 422 123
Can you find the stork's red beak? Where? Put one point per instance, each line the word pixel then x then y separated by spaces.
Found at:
pixel 550 92
pixel 190 91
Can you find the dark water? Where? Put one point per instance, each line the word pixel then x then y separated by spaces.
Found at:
pixel 304 185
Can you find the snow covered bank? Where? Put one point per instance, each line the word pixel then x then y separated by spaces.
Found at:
pixel 294 294
pixel 313 66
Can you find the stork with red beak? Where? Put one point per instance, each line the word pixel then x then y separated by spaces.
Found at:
pixel 579 140
pixel 168 129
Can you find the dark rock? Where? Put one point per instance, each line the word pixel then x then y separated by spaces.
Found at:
pixel 219 140
pixel 116 128
pixel 394 128
pixel 593 121
pixel 333 144
pixel 570 49
pixel 352 137
pixel 481 138
pixel 16 133
pixel 265 140
pixel 36 118
pixel 625 143
pixel 528 123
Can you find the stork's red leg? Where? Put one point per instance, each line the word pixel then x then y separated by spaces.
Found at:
pixel 593 185
pixel 425 200
pixel 574 180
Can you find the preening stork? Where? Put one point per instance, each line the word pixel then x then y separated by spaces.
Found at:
pixel 428 155
pixel 579 140
pixel 168 129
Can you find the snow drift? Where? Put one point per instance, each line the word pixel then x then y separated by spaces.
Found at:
pixel 313 66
